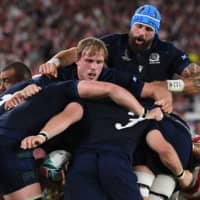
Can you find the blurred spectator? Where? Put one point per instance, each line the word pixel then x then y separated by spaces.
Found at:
pixel 183 103
pixel 197 127
pixel 33 30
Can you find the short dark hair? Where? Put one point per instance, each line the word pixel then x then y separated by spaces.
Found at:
pixel 22 71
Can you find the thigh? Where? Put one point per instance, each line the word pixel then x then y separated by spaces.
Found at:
pixel 83 179
pixel 180 138
pixel 17 169
pixel 117 177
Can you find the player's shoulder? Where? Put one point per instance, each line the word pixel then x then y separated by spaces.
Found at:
pixel 164 45
pixel 68 68
pixel 114 37
pixel 67 73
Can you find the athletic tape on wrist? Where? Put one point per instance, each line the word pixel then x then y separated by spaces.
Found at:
pixel 55 61
pixel 144 113
pixel 44 134
pixel 175 85
pixel 181 175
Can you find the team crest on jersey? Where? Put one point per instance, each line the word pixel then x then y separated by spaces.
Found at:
pixel 154 58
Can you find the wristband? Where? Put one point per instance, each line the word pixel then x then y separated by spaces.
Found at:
pixel 181 175
pixel 175 85
pixel 144 113
pixel 54 61
pixel 44 134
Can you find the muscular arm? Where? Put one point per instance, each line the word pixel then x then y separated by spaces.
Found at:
pixel 66 57
pixel 121 96
pixel 160 94
pixel 62 58
pixel 190 77
pixel 191 70
pixel 72 113
pixel 191 85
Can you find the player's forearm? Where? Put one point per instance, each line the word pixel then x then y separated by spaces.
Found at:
pixel 189 85
pixel 72 113
pixel 174 86
pixel 125 99
pixel 64 58
pixel 149 89
pixel 191 70
pixel 97 89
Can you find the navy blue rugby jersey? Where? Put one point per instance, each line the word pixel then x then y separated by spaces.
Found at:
pixel 64 74
pixel 130 81
pixel 107 123
pixel 31 115
pixel 124 79
pixel 160 62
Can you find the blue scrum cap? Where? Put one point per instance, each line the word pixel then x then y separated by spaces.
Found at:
pixel 147 15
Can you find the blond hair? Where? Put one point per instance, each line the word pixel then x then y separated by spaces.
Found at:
pixel 92 45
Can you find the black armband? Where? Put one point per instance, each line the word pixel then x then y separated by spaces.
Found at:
pixel 145 113
pixel 44 134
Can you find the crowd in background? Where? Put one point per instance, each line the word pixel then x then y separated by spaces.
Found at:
pixel 31 31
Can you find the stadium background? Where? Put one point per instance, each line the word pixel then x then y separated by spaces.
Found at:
pixel 33 30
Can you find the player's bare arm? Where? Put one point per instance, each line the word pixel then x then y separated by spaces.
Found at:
pixel 190 85
pixel 160 94
pixel 191 70
pixel 62 58
pixel 117 94
pixel 72 113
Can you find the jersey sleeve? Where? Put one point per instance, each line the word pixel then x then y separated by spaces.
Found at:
pixel 130 81
pixel 68 88
pixel 64 74
pixel 16 87
pixel 180 60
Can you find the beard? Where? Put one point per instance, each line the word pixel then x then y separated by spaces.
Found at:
pixel 138 43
